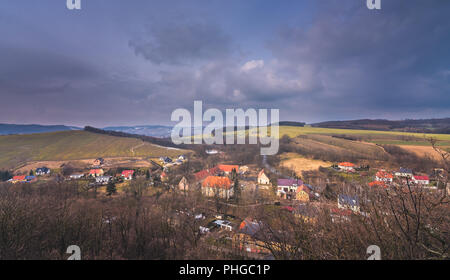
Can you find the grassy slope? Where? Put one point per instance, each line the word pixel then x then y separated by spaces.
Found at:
pixel 71 145
pixel 295 131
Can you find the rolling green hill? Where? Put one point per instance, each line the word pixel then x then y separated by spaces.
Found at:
pixel 72 145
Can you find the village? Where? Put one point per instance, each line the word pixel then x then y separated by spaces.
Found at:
pixel 227 186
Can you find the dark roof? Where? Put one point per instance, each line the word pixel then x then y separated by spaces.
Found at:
pixel 348 200
pixel 405 170
pixel 289 182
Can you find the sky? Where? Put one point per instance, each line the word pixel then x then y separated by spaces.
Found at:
pixel 134 62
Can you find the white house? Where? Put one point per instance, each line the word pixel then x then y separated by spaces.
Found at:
pixel 262 178
pixel 42 171
pixel 404 172
pixel 421 180
pixel 348 202
pixel 346 166
pixel 102 179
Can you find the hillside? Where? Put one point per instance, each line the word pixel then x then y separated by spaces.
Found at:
pixel 71 145
pixel 8 129
pixel 147 130
pixel 422 126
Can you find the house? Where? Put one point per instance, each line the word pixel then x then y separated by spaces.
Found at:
pixel 250 226
pixel 203 174
pixel 183 185
pixel 243 169
pixel 30 178
pixel 348 202
pixel 421 180
pixel 18 179
pixel 217 186
pixel 227 169
pixel 346 166
pixel 127 174
pixel 165 160
pixel 96 172
pixel 76 176
pixel 227 225
pixel 99 161
pixel 287 188
pixel 262 178
pixel 404 172
pixel 182 157
pixel 103 179
pixel 302 194
pixel 384 176
pixel 42 171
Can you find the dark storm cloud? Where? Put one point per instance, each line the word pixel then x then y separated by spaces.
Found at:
pixel 325 60
pixel 389 61
pixel 28 71
pixel 181 42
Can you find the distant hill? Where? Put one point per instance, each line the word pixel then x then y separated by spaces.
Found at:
pixel 16 150
pixel 7 129
pixel 147 130
pixel 438 126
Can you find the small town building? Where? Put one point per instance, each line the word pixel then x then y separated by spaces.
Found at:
pixel 42 171
pixel 263 179
pixel 103 179
pixel 348 202
pixel 404 172
pixel 384 176
pixel 99 161
pixel 227 169
pixel 217 186
pixel 96 172
pixel 183 185
pixel 346 166
pixel 127 174
pixel 302 194
pixel 287 188
pixel 421 180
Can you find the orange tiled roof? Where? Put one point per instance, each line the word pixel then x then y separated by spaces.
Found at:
pixel 228 168
pixel 384 174
pixel 347 164
pixel 217 182
pixel 19 178
pixel 95 171
pixel 205 173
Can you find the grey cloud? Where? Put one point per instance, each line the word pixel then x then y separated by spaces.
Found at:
pixel 182 42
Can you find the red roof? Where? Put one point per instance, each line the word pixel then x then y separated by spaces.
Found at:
pixel 384 174
pixel 422 178
pixel 347 164
pixel 217 182
pixel 95 171
pixel 127 173
pixel 205 173
pixel 228 168
pixel 19 178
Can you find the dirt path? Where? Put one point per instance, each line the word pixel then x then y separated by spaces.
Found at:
pixel 136 147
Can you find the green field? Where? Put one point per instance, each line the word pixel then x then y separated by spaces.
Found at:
pixel 374 136
pixel 72 145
